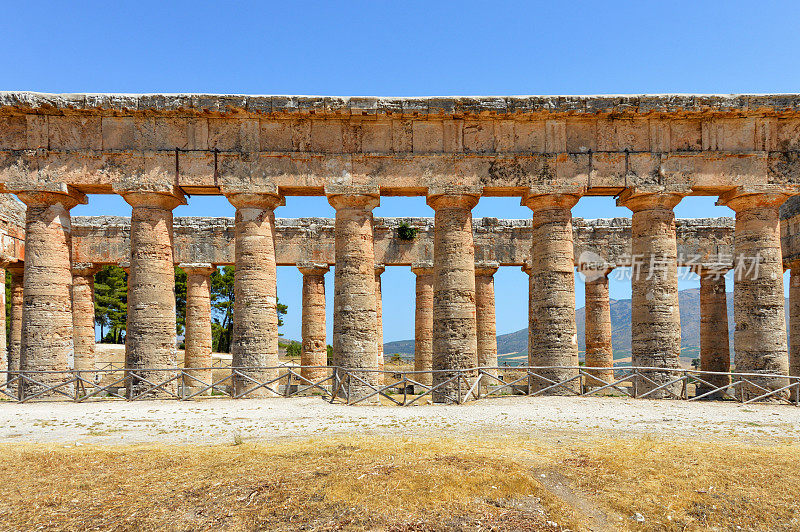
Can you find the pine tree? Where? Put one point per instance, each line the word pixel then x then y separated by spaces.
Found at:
pixel 111 303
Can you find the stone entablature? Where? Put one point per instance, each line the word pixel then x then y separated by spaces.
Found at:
pixel 105 240
pixel 205 144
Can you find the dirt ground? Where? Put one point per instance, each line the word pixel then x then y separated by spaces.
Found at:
pixel 515 463
pixel 219 420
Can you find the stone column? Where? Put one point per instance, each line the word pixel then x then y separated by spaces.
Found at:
pixel 379 269
pixel 83 317
pixel 15 334
pixel 551 311
pixel 423 323
pixel 255 311
pixel 3 347
pixel 758 303
pixel 597 332
pixel 715 353
pixel 47 300
pixel 150 335
pixel 485 317
pixel 526 269
pixel 455 341
pixel 197 338
pixel 355 322
pixel 656 325
pixel 794 321
pixel 314 351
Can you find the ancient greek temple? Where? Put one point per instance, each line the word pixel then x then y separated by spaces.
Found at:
pixel 649 152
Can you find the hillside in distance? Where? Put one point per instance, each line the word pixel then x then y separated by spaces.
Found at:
pixel 689 301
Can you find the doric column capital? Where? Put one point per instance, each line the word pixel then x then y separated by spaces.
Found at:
pixel 126 266
pixel 69 197
pixel 748 197
pixel 265 201
pixel 652 197
pixel 453 197
pixel 85 269
pixel 540 200
pixel 379 269
pixel 526 267
pixel 313 268
pixel 197 268
pixel 155 199
pixel 422 268
pixel 353 197
pixel 486 269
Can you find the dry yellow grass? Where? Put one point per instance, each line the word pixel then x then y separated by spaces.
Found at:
pixel 383 484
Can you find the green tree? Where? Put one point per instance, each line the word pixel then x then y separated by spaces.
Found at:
pixel 180 300
pixel 293 349
pixel 222 301
pixel 111 303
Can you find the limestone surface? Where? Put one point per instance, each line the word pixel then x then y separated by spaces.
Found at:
pixel 255 331
pixel 197 335
pixel 150 339
pixel 314 350
pixel 455 342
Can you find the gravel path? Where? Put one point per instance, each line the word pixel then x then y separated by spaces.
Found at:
pixel 213 421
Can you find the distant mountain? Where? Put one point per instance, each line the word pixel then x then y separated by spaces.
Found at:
pixel 689 301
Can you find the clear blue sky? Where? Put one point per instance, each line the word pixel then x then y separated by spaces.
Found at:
pixel 403 49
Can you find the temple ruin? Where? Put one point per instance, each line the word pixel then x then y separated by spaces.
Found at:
pixel 647 151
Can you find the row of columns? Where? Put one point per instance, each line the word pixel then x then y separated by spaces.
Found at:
pixel 461 314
